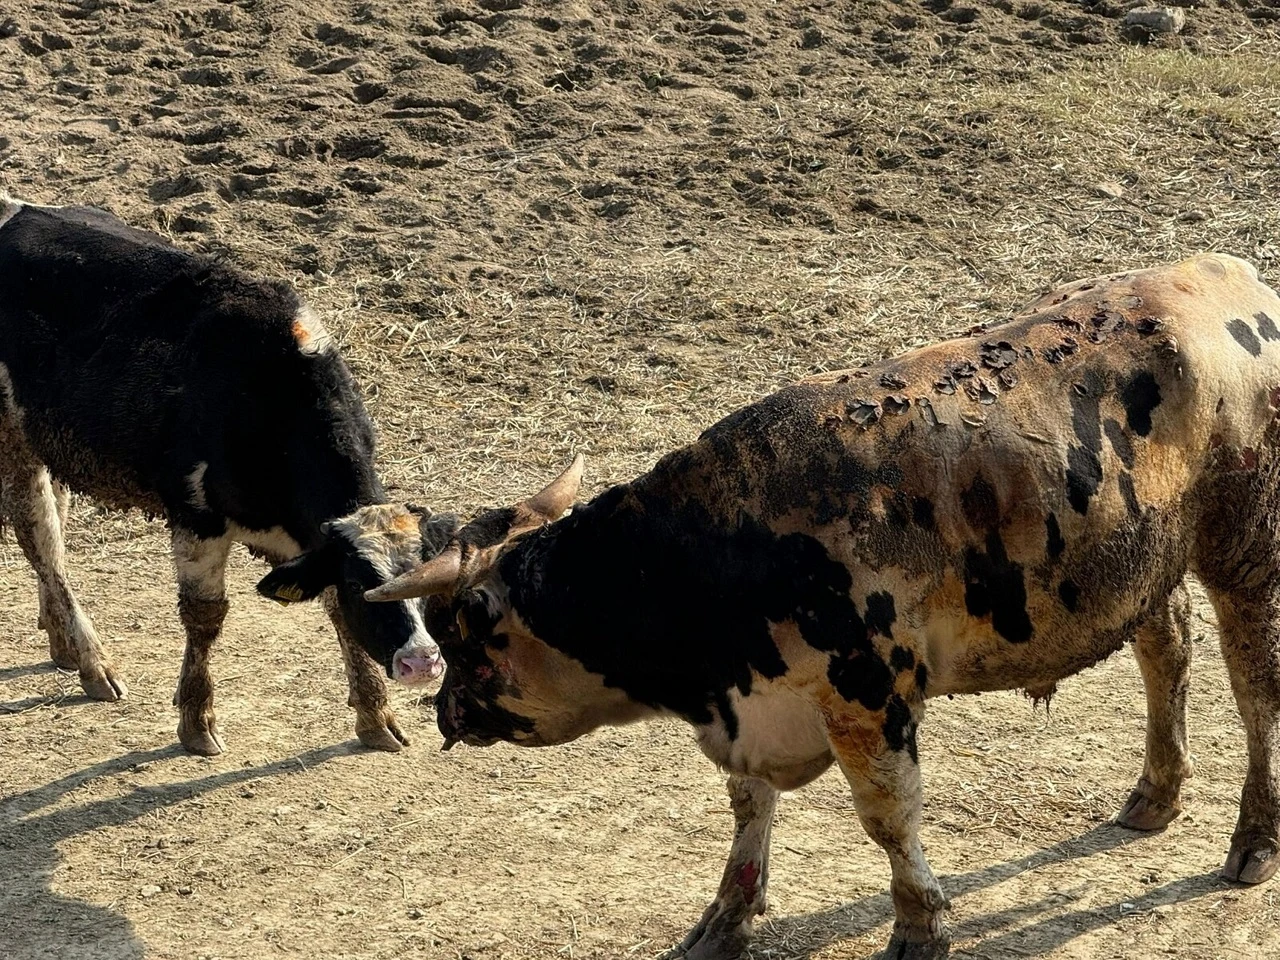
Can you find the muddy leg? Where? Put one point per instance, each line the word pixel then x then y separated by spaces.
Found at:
pixel 886 793
pixel 63 656
pixel 1249 621
pixel 1163 650
pixel 725 927
pixel 200 565
pixel 32 508
pixel 367 692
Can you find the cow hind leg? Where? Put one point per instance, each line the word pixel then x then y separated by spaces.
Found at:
pixel 376 725
pixel 63 654
pixel 33 508
pixel 1163 650
pixel 725 926
pixel 1249 621
pixel 200 565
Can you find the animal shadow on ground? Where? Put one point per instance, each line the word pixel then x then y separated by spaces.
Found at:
pixel 36 922
pixel 802 936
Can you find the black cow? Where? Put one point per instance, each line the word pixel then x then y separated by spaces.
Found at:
pixel 146 376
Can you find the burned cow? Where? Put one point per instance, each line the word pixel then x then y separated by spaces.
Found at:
pixel 994 512
pixel 145 376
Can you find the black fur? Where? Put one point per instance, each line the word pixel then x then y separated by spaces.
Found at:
pixel 134 361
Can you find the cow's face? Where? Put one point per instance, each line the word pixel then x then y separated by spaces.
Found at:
pixel 502 681
pixel 361 552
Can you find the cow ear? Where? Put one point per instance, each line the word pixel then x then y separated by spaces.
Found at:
pixel 305 577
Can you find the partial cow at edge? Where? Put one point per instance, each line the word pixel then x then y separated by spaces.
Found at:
pixel 994 512
pixel 145 376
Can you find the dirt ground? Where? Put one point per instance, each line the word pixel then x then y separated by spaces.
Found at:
pixel 544 228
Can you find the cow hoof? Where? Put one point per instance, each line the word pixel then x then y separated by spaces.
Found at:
pixel 1143 813
pixel 712 945
pixel 99 682
pixel 388 739
pixel 716 937
pixel 199 739
pixel 902 949
pixel 1247 864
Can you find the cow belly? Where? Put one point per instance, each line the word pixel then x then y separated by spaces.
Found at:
pixel 780 738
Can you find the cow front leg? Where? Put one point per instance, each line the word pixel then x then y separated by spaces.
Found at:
pixel 876 750
pixel 33 508
pixel 376 725
pixel 725 927
pixel 200 564
pixel 1163 650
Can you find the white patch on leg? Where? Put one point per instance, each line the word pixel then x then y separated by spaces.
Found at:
pixel 201 564
pixel 310 333
pixel 195 487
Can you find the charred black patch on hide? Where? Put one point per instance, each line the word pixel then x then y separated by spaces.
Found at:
pixel 922 513
pixel 995 587
pixel 1267 329
pixel 1054 544
pixel 900 727
pixel 881 614
pixel 1242 335
pixel 1120 442
pixel 1069 594
pixel 1084 459
pixel 981 509
pixel 901 659
pixel 1130 494
pixel 1140 395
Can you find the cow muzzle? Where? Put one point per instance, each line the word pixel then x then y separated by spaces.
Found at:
pixel 416 665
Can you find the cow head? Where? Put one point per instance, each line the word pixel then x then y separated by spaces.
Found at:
pixel 362 551
pixel 502 681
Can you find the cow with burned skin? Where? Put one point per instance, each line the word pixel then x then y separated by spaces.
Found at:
pixel 146 376
pixel 992 512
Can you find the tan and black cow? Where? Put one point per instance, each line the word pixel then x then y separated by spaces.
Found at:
pixel 993 512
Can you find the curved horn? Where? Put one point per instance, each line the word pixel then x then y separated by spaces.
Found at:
pixel 435 576
pixel 558 495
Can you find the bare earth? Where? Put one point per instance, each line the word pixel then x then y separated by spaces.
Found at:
pixel 543 228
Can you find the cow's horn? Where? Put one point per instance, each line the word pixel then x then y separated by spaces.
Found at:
pixel 435 576
pixel 558 495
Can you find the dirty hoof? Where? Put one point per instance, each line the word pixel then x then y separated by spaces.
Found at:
pixel 1143 813
pixel 201 739
pixel 715 943
pixel 100 683
pixel 387 738
pixel 1251 864
pixel 719 935
pixel 902 949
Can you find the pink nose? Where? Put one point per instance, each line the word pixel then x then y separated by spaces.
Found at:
pixel 417 669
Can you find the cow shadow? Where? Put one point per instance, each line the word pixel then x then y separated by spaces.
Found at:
pixel 1021 930
pixel 35 921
